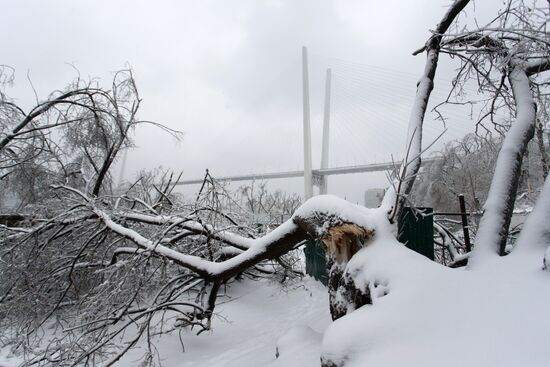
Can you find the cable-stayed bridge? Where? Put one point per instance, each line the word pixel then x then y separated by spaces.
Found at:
pixel 353 105
pixel 316 173
pixel 375 167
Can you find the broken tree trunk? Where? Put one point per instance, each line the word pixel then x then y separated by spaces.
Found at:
pixel 342 242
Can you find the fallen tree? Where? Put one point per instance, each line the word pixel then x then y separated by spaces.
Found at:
pixel 116 250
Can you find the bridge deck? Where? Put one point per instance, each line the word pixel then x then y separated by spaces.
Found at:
pixel 373 167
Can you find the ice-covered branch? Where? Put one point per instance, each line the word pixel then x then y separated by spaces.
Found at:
pixel 447 242
pixel 411 165
pixel 538 66
pixel 535 235
pixel 495 222
pixel 193 227
pixel 272 245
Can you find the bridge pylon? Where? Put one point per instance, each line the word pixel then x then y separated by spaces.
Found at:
pixel 308 171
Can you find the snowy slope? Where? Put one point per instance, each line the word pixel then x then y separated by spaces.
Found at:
pixel 247 328
pixel 495 315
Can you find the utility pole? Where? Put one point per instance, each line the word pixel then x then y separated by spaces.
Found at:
pixel 308 175
pixel 326 130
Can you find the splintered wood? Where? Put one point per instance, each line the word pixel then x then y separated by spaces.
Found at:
pixel 345 240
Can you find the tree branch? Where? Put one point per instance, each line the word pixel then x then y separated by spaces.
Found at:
pixel 495 222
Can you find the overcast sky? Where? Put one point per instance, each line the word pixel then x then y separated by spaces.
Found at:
pixel 227 73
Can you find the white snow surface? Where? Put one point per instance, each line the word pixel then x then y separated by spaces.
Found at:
pixel 329 204
pixel 258 317
pixel 496 315
pixel 424 314
pixel 250 324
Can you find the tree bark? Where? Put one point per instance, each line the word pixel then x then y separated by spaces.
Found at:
pixel 542 149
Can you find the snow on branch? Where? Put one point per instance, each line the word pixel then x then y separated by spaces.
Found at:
pixel 495 222
pixel 535 235
pixel 311 220
pixel 194 227
pixel 538 66
pixel 274 244
pixel 407 173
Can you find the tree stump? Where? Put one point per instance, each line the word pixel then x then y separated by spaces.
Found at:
pixel 342 242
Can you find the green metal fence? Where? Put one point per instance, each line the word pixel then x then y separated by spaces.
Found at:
pixel 316 261
pixel 415 230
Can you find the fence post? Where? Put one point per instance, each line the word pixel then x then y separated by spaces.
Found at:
pixel 465 226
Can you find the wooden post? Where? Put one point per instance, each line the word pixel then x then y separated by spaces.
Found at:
pixel 465 226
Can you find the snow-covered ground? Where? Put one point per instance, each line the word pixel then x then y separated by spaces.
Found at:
pixel 495 315
pixel 250 323
pixel 492 313
pixel 248 326
pixel 432 316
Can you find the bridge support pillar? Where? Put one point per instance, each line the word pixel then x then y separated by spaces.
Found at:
pixel 308 174
pixel 326 129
